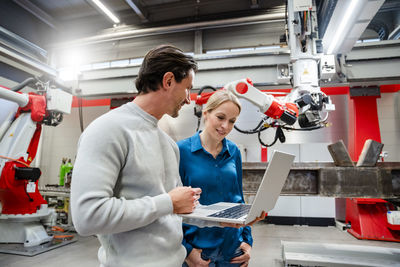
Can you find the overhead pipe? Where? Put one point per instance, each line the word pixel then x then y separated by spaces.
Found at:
pixel 130 32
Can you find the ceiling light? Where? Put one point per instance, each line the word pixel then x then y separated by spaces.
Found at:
pixel 106 11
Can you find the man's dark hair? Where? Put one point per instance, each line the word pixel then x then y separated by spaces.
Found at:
pixel 160 60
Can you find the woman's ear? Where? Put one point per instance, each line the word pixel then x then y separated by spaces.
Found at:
pixel 205 114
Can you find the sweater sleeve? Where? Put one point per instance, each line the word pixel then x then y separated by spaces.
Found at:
pixel 94 208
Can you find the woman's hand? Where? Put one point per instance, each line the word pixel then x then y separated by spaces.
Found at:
pixel 238 225
pixel 194 259
pixel 262 217
pixel 245 257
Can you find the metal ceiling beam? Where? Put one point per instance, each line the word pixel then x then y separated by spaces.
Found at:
pixel 17 43
pixel 130 32
pixel 141 12
pixel 377 61
pixel 367 64
pixel 24 63
pixel 37 12
pixel 23 55
pixel 213 69
pixel 395 34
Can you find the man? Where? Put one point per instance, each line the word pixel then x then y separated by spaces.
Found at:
pixel 126 186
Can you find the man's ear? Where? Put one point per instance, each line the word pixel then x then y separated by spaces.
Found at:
pixel 168 80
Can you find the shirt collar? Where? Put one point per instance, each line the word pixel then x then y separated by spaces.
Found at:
pixel 196 144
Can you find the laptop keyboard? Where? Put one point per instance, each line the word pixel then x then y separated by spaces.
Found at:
pixel 234 212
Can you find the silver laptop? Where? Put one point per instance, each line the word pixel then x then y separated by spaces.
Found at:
pixel 271 185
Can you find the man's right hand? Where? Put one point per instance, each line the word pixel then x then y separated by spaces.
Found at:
pixel 184 199
pixel 194 259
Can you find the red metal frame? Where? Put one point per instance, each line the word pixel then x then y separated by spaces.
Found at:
pixel 363 123
pixel 368 217
pixel 369 220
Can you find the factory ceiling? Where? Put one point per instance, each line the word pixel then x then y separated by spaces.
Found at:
pixel 72 19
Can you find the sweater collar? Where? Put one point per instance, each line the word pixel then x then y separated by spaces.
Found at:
pixel 135 108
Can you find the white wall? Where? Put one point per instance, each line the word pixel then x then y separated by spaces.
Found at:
pixel 61 142
pixel 389 124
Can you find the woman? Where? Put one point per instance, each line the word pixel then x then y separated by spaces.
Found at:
pixel 214 164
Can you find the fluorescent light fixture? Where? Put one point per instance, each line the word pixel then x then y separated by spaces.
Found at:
pixel 339 34
pixel 106 11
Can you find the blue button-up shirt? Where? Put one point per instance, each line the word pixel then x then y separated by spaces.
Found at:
pixel 220 179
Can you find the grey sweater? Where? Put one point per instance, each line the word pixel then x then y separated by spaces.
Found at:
pixel 124 168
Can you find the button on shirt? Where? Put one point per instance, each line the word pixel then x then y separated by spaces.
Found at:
pixel 220 179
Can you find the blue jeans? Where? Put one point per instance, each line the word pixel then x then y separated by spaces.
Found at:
pixel 217 259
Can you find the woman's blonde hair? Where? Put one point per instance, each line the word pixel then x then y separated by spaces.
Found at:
pixel 220 97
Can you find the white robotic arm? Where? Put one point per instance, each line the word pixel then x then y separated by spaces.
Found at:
pixel 305 63
pixel 284 112
pixel 306 103
pixel 281 114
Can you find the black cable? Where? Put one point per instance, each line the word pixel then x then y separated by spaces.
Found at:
pixel 303 129
pixel 286 15
pixel 253 131
pixel 301 24
pixel 205 87
pixel 198 113
pixel 198 123
pixel 278 135
pixel 27 82
pixel 80 107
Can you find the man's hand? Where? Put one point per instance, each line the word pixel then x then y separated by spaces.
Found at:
pixel 194 259
pixel 245 257
pixel 184 199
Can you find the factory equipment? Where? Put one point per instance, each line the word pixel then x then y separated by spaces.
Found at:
pixel 306 103
pixel 22 206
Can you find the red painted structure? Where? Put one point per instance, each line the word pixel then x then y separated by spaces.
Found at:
pixel 368 217
pixel 13 194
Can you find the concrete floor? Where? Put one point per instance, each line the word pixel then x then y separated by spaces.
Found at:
pixel 266 249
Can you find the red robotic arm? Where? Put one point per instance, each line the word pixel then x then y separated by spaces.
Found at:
pixel 19 138
pixel 285 112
